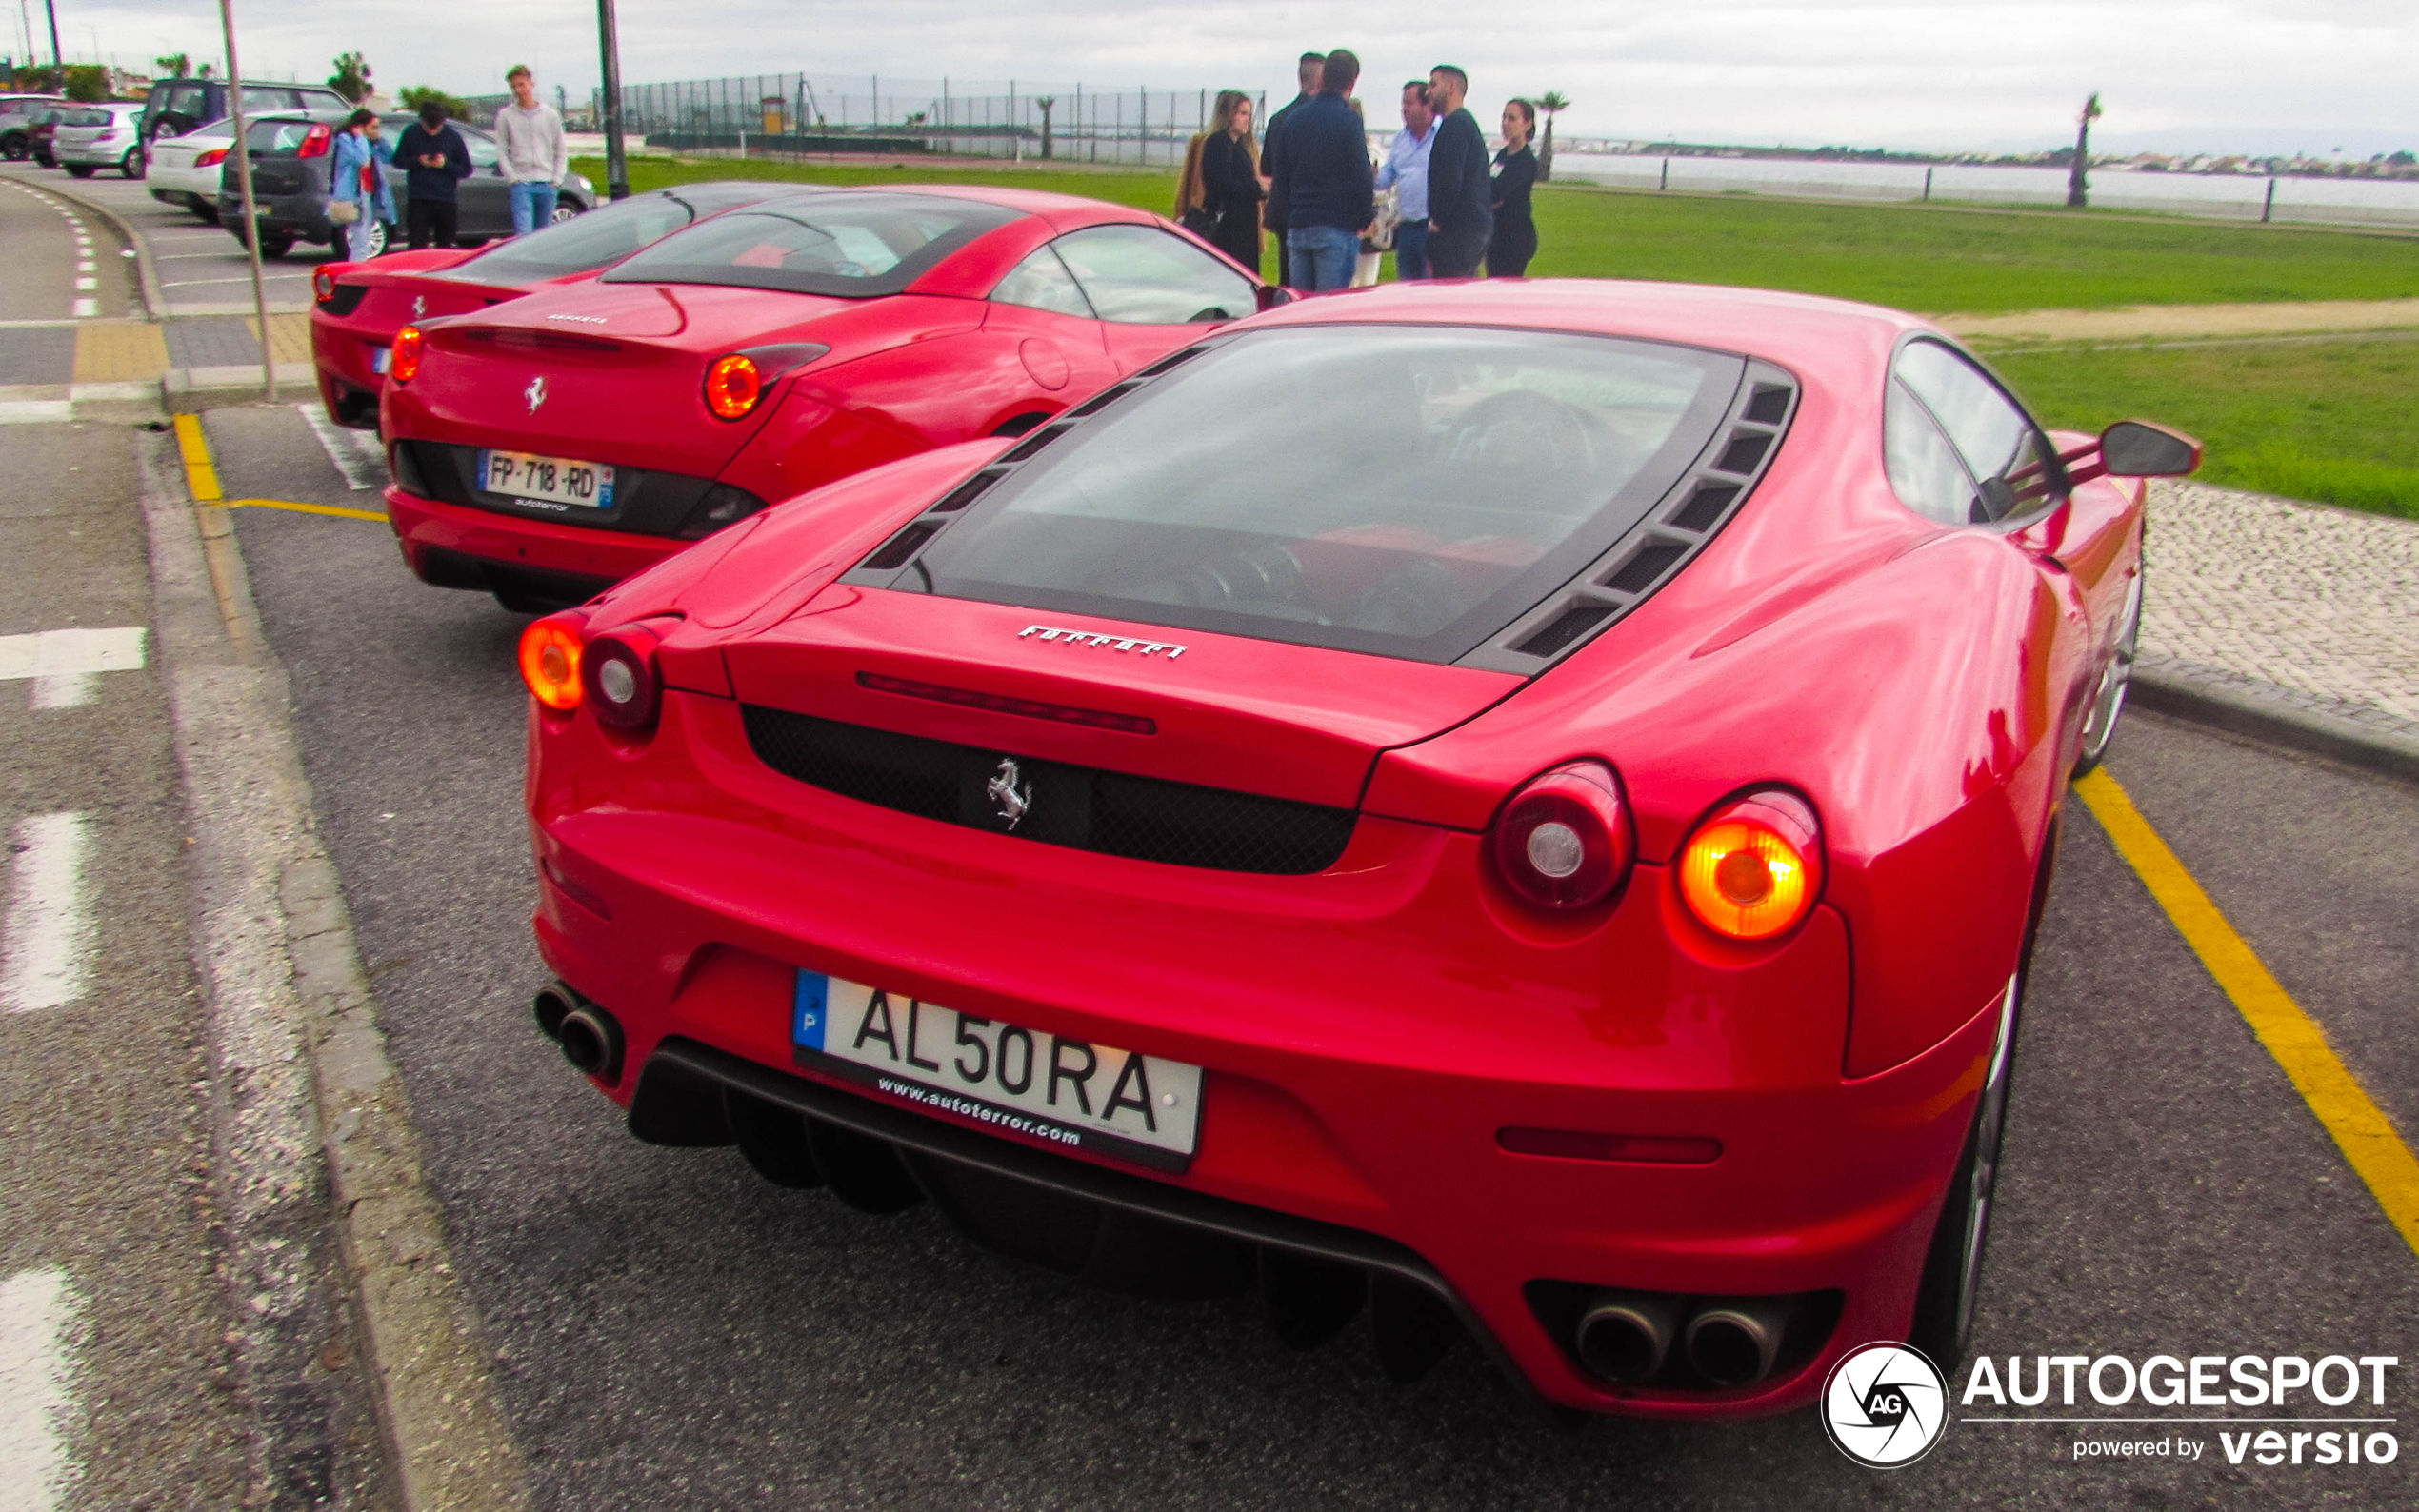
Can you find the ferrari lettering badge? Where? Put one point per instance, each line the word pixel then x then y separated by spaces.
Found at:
pixel 1120 643
pixel 535 392
pixel 1007 790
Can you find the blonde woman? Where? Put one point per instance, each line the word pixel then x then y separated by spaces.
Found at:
pixel 1229 178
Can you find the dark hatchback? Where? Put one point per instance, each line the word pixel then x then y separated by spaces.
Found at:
pixel 293 153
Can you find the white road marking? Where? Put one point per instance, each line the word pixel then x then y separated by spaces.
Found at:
pixel 86 309
pixel 356 453
pixel 50 961
pixel 34 411
pixel 38 1310
pixel 87 285
pixel 64 663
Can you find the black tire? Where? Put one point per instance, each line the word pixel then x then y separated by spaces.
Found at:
pixel 132 165
pixel 15 148
pixel 205 212
pixel 1952 1267
pixel 79 169
pixel 276 244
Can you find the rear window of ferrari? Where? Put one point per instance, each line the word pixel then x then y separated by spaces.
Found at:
pixel 605 235
pixel 849 245
pixel 1407 490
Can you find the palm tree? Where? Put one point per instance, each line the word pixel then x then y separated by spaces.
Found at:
pixel 1045 102
pixel 1553 102
pixel 352 78
pixel 2076 184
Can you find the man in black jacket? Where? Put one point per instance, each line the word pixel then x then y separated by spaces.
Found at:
pixel 1324 173
pixel 433 158
pixel 1461 210
pixel 1307 74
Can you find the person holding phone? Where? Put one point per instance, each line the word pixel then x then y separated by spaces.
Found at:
pixel 356 176
pixel 434 160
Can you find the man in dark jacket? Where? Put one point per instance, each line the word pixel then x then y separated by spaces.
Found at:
pixel 1461 213
pixel 1324 175
pixel 1307 74
pixel 433 158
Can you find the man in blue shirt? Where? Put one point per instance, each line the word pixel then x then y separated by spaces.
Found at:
pixel 1405 172
pixel 1324 175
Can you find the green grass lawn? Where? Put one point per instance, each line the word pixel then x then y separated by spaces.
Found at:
pixel 2326 421
pixel 2323 420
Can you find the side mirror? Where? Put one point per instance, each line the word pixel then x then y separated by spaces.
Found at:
pixel 2137 449
pixel 1271 296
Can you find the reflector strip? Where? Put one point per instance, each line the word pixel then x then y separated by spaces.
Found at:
pixel 999 703
pixel 1575 1145
pixel 2360 1128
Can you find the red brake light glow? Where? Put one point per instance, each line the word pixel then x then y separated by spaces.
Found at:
pixel 403 356
pixel 212 159
pixel 317 142
pixel 618 678
pixel 1564 841
pixel 732 385
pixel 323 283
pixel 551 660
pixel 1753 869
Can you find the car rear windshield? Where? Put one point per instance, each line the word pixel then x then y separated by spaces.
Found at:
pixel 1401 490
pixel 849 245
pixel 276 138
pixel 86 118
pixel 589 242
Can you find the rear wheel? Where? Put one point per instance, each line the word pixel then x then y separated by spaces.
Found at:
pixel 15 148
pixel 131 166
pixel 564 211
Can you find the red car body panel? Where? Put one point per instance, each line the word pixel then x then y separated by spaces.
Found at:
pixel 1372 1026
pixel 936 363
pixel 344 348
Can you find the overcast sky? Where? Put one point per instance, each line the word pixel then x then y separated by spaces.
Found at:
pixel 2219 74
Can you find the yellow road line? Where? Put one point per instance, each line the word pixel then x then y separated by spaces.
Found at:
pixel 201 474
pixel 305 508
pixel 2361 1128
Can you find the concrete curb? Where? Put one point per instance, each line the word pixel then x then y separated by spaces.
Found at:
pixel 317 1153
pixel 192 391
pixel 2247 711
pixel 146 276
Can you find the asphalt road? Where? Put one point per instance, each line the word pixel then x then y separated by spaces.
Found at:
pixel 202 268
pixel 674 1333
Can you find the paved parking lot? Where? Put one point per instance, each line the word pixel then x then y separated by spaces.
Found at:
pixel 671 1331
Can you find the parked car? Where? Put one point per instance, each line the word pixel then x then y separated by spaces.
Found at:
pixel 770 348
pixel 358 307
pixel 99 136
pixel 17 115
pixel 176 107
pixel 41 126
pixel 185 170
pixel 1510 807
pixel 291 156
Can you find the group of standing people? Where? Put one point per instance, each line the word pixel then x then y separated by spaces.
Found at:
pixel 1313 185
pixel 531 150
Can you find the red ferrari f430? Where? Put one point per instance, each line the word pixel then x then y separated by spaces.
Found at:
pixel 1514 810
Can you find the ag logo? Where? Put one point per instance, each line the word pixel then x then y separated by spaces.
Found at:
pixel 1885 1405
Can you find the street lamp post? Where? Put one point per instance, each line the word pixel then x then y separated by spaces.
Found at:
pixel 241 156
pixel 609 42
pixel 53 7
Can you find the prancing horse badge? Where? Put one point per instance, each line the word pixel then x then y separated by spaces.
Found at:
pixel 1013 796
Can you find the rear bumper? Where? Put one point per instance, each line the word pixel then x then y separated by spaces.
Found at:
pixel 431 530
pixel 343 353
pixel 93 155
pixel 1366 1034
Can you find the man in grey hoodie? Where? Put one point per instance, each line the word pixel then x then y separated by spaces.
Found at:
pixel 528 138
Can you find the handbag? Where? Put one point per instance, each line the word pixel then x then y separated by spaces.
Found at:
pixel 343 212
pixel 1198 220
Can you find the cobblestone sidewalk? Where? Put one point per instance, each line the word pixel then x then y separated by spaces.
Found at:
pixel 2315 604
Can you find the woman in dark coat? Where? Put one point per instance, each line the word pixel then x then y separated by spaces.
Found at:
pixel 1516 238
pixel 1231 180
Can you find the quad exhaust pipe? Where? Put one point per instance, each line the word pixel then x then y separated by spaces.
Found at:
pixel 1629 1337
pixel 590 1037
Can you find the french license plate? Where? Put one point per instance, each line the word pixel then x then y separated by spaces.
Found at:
pixel 1069 1092
pixel 547 479
pixel 379 357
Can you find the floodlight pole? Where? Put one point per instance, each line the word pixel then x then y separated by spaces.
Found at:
pixel 53 7
pixel 609 45
pixel 243 155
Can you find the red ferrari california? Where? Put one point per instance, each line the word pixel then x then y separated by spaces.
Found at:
pixel 547 448
pixel 357 307
pixel 1517 809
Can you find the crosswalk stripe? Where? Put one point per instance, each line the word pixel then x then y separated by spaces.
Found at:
pixel 37 1312
pixel 49 938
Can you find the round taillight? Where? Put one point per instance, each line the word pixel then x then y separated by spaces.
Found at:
pixel 1753 869
pixel 1564 841
pixel 732 385
pixel 617 674
pixel 402 355
pixel 323 283
pixel 550 656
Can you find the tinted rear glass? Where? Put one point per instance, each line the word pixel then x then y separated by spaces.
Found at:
pixel 86 118
pixel 1406 491
pixel 601 236
pixel 851 245
pixel 276 138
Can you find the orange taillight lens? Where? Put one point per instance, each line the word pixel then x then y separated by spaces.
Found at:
pixel 1753 869
pixel 732 385
pixel 550 661
pixel 323 283
pixel 403 356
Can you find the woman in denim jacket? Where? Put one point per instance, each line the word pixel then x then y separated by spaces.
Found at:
pixel 358 177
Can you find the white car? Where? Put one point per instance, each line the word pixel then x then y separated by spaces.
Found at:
pixel 185 169
pixel 96 136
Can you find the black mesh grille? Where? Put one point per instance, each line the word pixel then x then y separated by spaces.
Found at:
pixel 900 546
pixel 346 299
pixel 1704 506
pixel 1563 629
pixel 1084 808
pixel 1771 405
pixel 1639 572
pixel 1744 450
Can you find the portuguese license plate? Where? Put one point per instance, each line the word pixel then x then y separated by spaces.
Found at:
pixel 547 479
pixel 379 358
pixel 1068 1092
